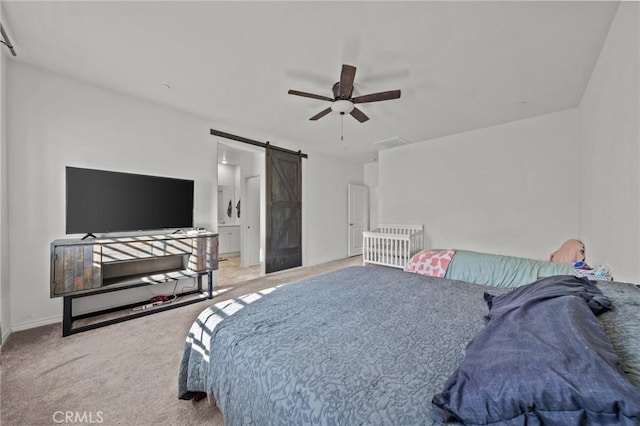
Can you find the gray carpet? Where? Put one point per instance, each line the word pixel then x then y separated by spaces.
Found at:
pixel 123 374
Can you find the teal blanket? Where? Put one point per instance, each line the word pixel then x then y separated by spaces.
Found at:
pixel 501 271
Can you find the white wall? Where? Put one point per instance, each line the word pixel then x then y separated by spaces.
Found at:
pixel 324 206
pixel 55 122
pixel 371 174
pixel 610 148
pixel 5 294
pixel 371 181
pixel 227 174
pixel 509 189
pixel 523 188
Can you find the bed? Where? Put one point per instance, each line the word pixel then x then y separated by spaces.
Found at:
pixel 392 245
pixel 377 345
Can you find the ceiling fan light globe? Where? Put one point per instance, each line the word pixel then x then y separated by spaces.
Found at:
pixel 342 106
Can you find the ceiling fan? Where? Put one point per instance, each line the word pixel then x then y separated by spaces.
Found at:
pixel 343 101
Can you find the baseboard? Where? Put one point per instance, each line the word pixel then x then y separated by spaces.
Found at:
pixel 5 335
pixel 36 323
pixel 227 255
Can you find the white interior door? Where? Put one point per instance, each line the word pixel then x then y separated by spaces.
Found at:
pixel 252 223
pixel 358 216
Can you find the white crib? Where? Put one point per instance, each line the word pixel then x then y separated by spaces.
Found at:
pixel 392 245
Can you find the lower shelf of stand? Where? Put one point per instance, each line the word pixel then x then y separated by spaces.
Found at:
pixel 109 316
pixel 145 279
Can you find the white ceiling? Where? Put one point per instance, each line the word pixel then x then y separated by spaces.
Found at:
pixel 460 65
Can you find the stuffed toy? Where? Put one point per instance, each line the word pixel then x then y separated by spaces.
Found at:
pixel 570 252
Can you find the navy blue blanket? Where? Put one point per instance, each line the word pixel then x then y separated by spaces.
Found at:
pixel 542 358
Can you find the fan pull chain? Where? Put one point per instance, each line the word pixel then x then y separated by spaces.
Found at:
pixel 342 127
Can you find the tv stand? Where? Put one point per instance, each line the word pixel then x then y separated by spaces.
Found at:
pixel 89 235
pixel 81 268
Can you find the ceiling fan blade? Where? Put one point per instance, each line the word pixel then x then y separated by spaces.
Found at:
pixel 346 81
pixel 309 95
pixel 375 97
pixel 359 115
pixel 321 114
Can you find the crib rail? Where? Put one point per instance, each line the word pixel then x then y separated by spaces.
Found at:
pixel 399 229
pixel 392 245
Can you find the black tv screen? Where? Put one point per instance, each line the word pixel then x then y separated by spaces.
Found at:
pixel 106 201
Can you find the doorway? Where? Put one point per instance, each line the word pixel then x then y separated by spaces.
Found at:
pixel 251 254
pixel 239 213
pixel 280 221
pixel 358 215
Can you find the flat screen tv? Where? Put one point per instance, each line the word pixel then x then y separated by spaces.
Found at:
pixel 107 201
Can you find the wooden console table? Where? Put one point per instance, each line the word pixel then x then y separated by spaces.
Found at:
pixel 81 268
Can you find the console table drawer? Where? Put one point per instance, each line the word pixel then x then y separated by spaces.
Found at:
pixel 75 268
pixel 205 256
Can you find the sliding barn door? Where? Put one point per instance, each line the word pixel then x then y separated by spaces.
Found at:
pixel 284 210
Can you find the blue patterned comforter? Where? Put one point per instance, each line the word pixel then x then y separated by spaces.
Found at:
pixel 362 345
